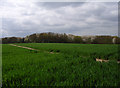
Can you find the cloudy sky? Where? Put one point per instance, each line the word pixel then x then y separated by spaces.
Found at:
pixel 21 18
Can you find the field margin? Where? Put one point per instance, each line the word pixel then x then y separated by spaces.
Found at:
pixel 0 65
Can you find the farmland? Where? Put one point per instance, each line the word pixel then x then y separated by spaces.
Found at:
pixel 58 64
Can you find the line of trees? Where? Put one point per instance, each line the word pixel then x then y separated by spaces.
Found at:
pixel 62 38
pixel 12 40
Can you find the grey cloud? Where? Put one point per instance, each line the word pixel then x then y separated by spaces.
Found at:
pixel 77 18
pixel 28 14
pixel 54 5
pixel 13 29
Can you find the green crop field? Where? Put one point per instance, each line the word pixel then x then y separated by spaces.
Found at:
pixel 58 64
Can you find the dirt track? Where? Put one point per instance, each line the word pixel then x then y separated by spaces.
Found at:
pixel 31 48
pixel 23 47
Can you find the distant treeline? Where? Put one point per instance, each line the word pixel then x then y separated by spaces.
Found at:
pixel 62 38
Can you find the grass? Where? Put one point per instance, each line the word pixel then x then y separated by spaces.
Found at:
pixel 74 65
pixel 0 65
pixel 103 51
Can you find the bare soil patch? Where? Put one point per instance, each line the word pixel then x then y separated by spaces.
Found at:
pixel 101 60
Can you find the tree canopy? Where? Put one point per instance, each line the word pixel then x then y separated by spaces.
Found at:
pixel 62 38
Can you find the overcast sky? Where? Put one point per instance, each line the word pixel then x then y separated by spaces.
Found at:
pixel 20 18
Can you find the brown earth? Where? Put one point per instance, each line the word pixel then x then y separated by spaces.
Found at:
pixel 101 60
